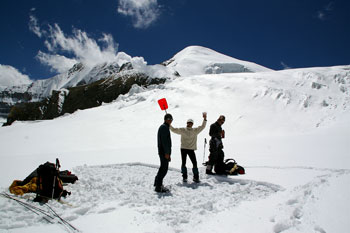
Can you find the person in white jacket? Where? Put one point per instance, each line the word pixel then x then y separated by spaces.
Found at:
pixel 189 145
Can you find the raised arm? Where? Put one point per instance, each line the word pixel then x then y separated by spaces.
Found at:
pixel 204 123
pixel 200 128
pixel 176 130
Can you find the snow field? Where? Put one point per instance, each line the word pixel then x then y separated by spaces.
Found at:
pixel 108 189
pixel 294 147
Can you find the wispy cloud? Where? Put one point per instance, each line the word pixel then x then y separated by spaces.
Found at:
pixel 33 26
pixel 142 12
pixel 285 66
pixel 10 76
pixel 66 50
pixel 57 63
pixel 325 11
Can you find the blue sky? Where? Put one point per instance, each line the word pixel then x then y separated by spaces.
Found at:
pixel 41 38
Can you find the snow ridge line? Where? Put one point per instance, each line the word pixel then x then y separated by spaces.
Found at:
pixel 341 171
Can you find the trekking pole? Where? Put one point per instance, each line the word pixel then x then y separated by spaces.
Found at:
pixel 65 222
pixel 54 178
pixel 30 207
pixel 205 143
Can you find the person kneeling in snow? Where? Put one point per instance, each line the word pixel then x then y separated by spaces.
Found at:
pixel 189 145
pixel 216 155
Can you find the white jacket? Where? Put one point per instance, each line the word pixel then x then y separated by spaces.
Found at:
pixel 189 135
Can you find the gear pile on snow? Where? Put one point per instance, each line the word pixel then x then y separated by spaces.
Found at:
pixel 46 181
pixel 229 167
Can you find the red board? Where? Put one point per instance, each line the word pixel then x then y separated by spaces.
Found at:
pixel 163 104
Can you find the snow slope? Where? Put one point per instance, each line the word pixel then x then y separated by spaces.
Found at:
pixel 290 130
pixel 193 60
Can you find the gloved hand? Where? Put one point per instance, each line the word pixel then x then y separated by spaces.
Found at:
pixel 167 156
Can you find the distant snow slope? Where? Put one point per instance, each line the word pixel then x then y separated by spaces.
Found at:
pixel 79 74
pixel 195 60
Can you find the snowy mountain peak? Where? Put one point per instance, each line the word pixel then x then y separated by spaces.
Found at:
pixel 196 60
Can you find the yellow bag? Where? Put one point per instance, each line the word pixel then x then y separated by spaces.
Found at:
pixel 30 187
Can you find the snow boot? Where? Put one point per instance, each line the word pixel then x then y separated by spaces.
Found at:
pixel 161 189
pixel 184 173
pixel 195 175
pixel 208 170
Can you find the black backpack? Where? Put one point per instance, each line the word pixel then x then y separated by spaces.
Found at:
pixel 229 167
pixel 232 168
pixel 49 185
pixel 67 177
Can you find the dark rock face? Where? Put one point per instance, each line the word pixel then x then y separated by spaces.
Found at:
pixel 4 109
pixel 80 97
pixel 5 106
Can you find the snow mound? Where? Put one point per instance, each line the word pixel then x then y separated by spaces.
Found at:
pixel 196 60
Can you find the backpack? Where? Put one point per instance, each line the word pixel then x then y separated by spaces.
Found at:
pixel 229 167
pixel 232 168
pixel 67 177
pixel 49 185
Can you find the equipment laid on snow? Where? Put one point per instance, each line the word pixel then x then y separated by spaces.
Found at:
pixel 46 181
pixel 229 167
pixel 50 216
pixel 67 177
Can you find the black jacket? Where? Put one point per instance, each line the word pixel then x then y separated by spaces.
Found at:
pixel 215 130
pixel 164 140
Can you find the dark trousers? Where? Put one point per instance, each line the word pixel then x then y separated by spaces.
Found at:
pixel 192 155
pixel 163 170
pixel 216 153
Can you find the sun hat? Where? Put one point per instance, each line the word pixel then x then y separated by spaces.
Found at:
pixel 190 121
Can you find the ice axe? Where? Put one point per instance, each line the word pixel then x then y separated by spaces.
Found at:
pixel 163 104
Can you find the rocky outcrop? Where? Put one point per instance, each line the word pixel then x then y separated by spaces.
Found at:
pixel 9 97
pixel 4 109
pixel 39 90
pixel 80 97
